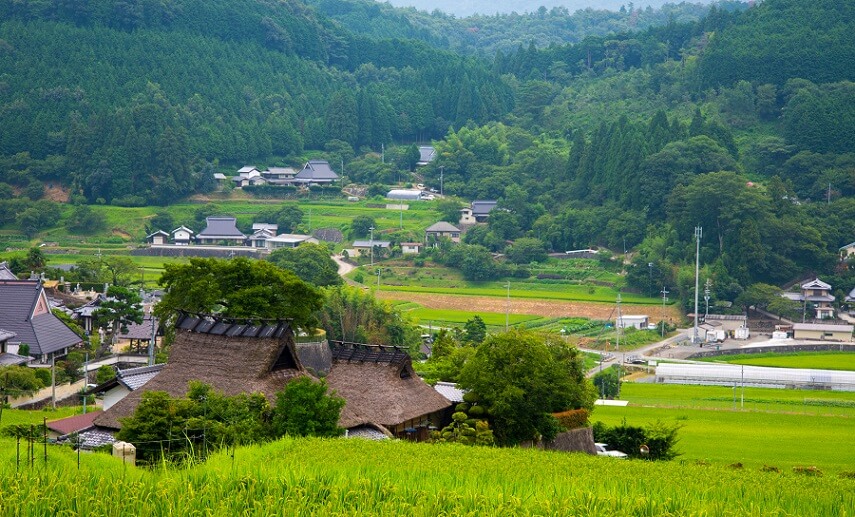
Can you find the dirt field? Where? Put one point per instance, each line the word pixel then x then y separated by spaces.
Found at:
pixel 546 308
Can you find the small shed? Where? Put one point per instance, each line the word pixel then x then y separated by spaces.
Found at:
pixel 157 238
pixel 182 235
pixel 411 248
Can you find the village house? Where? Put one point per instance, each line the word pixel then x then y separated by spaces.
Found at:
pixel 123 383
pixel 426 155
pixel 316 172
pixel 411 248
pixel 477 212
pixel 260 233
pixel 818 293
pixel 279 175
pixel 380 388
pixel 437 231
pixel 639 322
pixel 289 240
pixel 25 313
pixel 847 251
pixel 221 231
pixel 182 236
pixel 363 248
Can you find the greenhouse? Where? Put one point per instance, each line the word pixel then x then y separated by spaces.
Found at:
pixel 754 376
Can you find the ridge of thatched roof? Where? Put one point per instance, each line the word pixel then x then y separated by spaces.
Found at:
pixel 379 386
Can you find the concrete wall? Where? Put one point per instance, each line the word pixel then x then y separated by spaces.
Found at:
pixel 63 391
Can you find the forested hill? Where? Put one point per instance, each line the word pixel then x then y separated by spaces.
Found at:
pixel 132 102
pixel 463 8
pixel 486 34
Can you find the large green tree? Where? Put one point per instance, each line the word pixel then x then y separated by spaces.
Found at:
pixel 311 262
pixel 522 377
pixel 239 288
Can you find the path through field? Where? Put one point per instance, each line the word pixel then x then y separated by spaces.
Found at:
pixel 546 308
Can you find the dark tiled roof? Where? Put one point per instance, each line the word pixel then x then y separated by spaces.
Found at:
pixel 44 333
pixel 7 359
pixel 6 334
pixel 482 208
pixel 140 330
pixel 316 170
pixel 136 378
pixel 94 438
pixel 426 153
pixel 221 227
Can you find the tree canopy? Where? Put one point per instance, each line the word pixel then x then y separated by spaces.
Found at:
pixel 238 288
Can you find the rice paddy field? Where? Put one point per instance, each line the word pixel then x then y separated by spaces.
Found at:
pixel 360 477
pixel 780 428
pixel 811 360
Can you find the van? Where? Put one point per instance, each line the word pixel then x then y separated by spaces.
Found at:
pixel 352 198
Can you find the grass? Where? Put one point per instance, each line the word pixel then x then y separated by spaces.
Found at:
pixel 19 416
pixel 569 293
pixel 297 477
pixel 457 318
pixel 812 360
pixel 782 428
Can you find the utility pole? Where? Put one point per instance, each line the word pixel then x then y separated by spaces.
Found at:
pixel 53 381
pixel 371 243
pixel 508 305
pixel 707 298
pixel 441 174
pixel 618 324
pixel 151 341
pixel 699 232
pixel 378 278
pixel 86 377
pixel 664 299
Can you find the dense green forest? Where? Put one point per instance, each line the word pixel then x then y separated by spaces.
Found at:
pixel 485 35
pixel 738 121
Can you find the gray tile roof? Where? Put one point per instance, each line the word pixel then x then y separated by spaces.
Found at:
pixel 221 227
pixel 44 333
pixel 368 244
pixel 317 170
pixel 7 359
pixel 450 391
pixel 6 334
pixel 823 327
pixel 426 153
pixel 136 378
pixel 6 273
pixel 139 330
pixel 482 208
pixel 442 226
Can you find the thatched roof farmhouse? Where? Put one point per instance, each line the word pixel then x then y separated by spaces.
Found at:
pixel 378 383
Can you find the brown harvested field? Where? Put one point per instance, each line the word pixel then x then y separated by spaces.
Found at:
pixel 546 308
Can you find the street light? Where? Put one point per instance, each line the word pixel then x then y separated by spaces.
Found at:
pixel 371 244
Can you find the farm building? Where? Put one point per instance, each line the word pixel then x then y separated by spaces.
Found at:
pixel 378 383
pixel 404 194
pixel 364 248
pixel 822 331
pixel 157 238
pixel 754 376
pixel 628 321
pixel 289 240
pixel 182 235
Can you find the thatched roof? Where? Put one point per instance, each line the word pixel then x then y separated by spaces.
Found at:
pixel 379 386
pixel 377 383
pixel 232 356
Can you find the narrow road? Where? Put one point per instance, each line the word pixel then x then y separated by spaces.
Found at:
pixel 648 350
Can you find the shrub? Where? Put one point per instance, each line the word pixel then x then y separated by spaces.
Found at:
pixel 807 471
pixel 572 419
pixel 660 438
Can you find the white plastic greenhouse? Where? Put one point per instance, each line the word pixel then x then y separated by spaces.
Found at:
pixel 757 376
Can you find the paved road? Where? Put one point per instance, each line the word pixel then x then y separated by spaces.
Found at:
pixel 651 351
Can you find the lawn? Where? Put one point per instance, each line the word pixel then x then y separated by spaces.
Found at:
pixel 810 360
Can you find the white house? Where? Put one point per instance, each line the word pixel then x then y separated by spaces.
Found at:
pixel 847 251
pixel 639 322
pixel 817 293
pixel 289 240
pixel 411 248
pixel 182 235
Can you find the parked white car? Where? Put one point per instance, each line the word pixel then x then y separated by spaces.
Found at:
pixel 603 450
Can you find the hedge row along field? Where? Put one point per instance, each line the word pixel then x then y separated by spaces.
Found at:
pixel 358 477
